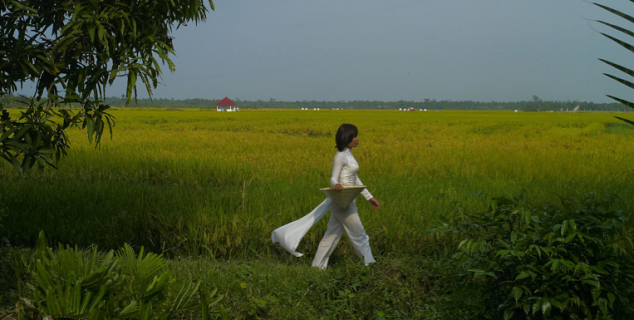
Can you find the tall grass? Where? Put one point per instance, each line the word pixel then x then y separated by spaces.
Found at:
pixel 216 184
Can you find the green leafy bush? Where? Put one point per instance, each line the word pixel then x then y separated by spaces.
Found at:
pixel 524 261
pixel 78 284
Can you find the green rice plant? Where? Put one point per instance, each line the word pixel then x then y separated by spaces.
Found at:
pixel 525 261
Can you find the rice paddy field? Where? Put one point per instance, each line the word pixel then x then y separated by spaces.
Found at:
pixel 198 183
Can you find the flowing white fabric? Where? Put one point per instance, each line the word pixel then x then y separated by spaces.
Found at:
pixel 289 235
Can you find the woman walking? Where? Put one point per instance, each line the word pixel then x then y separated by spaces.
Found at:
pixel 344 173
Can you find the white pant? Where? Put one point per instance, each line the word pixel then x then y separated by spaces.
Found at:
pixel 343 219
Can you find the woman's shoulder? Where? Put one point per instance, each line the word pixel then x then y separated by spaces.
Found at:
pixel 342 155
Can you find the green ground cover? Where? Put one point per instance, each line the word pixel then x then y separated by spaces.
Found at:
pixel 207 187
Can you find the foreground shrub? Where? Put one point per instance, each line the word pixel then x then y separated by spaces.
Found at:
pixel 524 261
pixel 78 284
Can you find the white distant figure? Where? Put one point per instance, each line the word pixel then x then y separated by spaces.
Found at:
pixel 317 109
pixel 314 109
pixel 575 109
pixel 399 109
pixel 516 111
pixel 425 110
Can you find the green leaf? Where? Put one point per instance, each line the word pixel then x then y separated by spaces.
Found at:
pixel 546 306
pixel 623 81
pixel 91 31
pixel 522 275
pixel 557 304
pixel 90 126
pixel 526 307
pixel 22 131
pixel 570 237
pixel 572 224
pixel 516 293
pixel 16 163
pixel 616 12
pixel 555 265
pixel 628 121
pixel 594 283
pixel 536 306
pixel 205 308
pixel 7 133
pixel 611 297
pixel 625 102
pixel 477 272
pixel 619 67
pixel 130 309
pixel 508 313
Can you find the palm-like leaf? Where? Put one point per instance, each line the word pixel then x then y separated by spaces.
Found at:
pixel 73 283
pixel 625 120
pixel 625 45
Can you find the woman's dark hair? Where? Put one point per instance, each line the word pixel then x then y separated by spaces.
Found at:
pixel 345 134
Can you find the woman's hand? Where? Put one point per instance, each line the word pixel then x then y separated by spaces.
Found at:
pixel 375 203
pixel 337 187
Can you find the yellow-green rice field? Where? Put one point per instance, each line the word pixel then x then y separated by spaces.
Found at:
pixel 198 182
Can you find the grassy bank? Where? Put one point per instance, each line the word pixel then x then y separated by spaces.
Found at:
pixel 283 287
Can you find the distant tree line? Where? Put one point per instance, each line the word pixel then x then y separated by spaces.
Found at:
pixel 536 104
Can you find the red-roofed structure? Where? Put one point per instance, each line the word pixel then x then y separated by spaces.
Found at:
pixel 226 102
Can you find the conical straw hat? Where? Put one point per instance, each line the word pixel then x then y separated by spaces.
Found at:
pixel 344 196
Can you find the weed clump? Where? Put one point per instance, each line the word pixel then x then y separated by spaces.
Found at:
pixel 524 261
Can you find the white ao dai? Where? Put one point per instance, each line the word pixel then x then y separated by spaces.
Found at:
pixel 344 171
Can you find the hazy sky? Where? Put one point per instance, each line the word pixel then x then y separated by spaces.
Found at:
pixel 486 50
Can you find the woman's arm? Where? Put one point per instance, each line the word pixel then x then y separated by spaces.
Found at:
pixel 337 166
pixel 366 194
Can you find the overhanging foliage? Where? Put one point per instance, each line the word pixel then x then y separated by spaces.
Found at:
pixel 73 50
